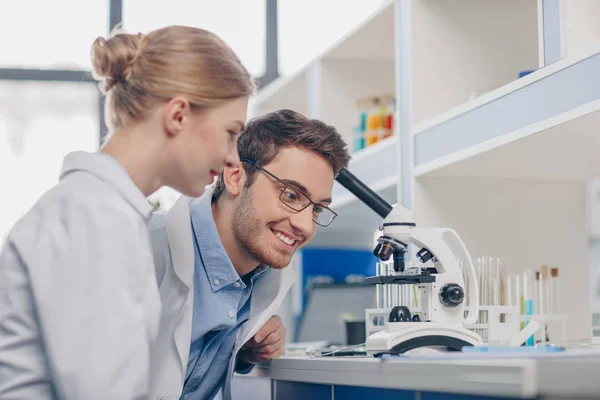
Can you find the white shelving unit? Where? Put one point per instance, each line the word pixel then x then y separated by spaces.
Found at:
pixel 581 28
pixel 503 161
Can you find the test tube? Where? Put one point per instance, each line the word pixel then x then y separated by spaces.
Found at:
pixel 380 290
pixel 391 288
pixel 503 282
pixel 496 283
pixel 528 286
pixel 553 293
pixel 537 304
pixel 519 301
pixel 509 295
pixel 544 305
pixel 499 281
pixel 395 292
pixel 544 289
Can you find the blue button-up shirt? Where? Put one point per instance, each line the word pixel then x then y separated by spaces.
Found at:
pixel 221 306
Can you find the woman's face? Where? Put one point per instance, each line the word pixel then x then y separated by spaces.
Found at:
pixel 205 145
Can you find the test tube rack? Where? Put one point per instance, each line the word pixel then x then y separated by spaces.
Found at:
pixel 496 324
pixel 548 321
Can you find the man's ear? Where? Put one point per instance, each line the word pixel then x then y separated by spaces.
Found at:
pixel 176 111
pixel 234 178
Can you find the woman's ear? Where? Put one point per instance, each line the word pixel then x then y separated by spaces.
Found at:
pixel 176 111
pixel 234 178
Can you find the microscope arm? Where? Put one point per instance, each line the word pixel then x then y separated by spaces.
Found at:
pixel 447 248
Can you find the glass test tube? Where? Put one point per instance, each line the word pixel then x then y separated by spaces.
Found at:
pixel 509 294
pixel 390 287
pixel 553 295
pixel 528 285
pixel 381 270
pixel 544 281
pixel 519 297
pixel 394 288
pixel 537 294
pixel 496 286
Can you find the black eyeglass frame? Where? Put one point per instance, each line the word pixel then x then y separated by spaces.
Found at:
pixel 285 186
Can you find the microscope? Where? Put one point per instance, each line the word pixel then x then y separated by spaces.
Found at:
pixel 442 320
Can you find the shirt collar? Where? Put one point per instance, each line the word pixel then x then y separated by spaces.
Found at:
pixel 110 171
pixel 218 265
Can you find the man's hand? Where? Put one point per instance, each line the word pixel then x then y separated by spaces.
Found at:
pixel 267 344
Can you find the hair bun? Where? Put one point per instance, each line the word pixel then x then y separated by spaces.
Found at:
pixel 113 59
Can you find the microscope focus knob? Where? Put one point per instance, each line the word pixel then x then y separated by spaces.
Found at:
pixel 451 295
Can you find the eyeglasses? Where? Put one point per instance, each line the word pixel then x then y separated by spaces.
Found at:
pixel 298 201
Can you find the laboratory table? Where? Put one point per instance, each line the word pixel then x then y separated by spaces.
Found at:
pixel 292 378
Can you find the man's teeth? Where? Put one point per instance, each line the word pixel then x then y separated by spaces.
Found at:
pixel 284 238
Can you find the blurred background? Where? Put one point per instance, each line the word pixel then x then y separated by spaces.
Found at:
pixel 532 202
pixel 50 106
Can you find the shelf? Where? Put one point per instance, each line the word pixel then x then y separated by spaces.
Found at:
pixel 286 92
pixel 292 91
pixel 461 48
pixel 371 40
pixel 540 127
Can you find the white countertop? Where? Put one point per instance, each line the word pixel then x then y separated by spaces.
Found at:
pixel 571 374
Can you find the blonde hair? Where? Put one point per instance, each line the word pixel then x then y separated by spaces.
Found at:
pixel 138 71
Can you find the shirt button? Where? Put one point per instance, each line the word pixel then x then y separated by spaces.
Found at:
pixel 230 313
pixel 186 397
pixel 236 284
pixel 216 281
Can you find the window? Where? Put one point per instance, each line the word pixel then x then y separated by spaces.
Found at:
pixel 40 122
pixel 240 23
pixel 56 34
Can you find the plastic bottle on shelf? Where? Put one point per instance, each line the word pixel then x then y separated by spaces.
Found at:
pixel 359 139
pixel 373 133
pixel 388 125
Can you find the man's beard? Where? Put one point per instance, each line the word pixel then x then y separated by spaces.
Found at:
pixel 247 228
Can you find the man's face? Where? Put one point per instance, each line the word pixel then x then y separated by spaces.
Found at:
pixel 263 225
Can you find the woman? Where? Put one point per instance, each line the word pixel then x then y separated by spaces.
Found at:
pixel 79 306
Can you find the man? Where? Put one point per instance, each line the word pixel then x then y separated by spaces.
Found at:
pixel 221 259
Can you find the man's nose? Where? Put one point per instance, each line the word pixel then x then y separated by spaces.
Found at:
pixel 303 221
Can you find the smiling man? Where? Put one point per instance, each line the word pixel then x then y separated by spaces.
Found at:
pixel 221 259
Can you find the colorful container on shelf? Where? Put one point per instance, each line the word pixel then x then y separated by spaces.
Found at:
pixel 376 120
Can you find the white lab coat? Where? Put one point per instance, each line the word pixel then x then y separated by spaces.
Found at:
pixel 79 306
pixel 175 272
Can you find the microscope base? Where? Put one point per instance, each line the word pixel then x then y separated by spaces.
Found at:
pixel 400 337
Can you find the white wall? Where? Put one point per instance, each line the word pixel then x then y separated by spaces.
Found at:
pixel 529 223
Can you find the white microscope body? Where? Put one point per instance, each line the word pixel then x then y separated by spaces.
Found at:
pixel 442 320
